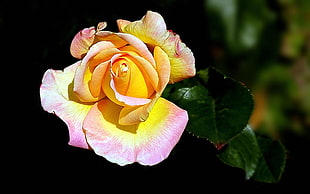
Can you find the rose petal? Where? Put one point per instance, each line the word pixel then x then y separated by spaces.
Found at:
pixel 151 29
pixel 158 135
pixel 120 99
pixel 133 115
pixel 147 69
pixel 82 41
pixel 148 143
pixel 142 76
pixel 111 37
pixel 163 68
pixel 181 58
pixel 83 73
pixel 137 80
pixel 57 97
pixel 140 47
pixel 122 24
pixel 97 78
pixel 106 137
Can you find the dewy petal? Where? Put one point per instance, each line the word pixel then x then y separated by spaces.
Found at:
pixel 148 143
pixel 57 97
pixel 82 41
pixel 134 115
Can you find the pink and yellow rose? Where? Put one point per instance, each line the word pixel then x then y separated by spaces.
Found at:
pixel 110 98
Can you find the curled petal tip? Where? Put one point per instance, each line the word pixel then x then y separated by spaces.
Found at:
pixel 181 58
pixel 82 41
pixel 122 24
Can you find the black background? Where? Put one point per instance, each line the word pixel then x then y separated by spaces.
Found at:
pixel 36 37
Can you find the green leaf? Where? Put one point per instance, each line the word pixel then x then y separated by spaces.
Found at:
pixel 262 158
pixel 218 107
pixel 271 162
pixel 199 104
pixel 242 152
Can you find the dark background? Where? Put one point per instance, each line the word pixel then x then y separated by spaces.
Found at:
pixel 37 36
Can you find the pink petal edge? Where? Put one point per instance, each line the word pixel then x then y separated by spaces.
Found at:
pixel 147 143
pixel 82 41
pixel 71 112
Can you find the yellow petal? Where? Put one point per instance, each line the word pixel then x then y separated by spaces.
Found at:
pixel 150 29
pixel 111 92
pixel 134 115
pixel 122 24
pixel 181 58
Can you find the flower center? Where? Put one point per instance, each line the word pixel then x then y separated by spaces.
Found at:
pixel 120 70
pixel 123 68
pixel 129 80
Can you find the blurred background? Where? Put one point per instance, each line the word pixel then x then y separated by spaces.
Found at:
pixel 266 45
pixel 263 43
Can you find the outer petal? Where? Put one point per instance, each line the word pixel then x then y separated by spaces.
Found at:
pixel 150 29
pixel 160 133
pixel 82 41
pixel 57 97
pixel 181 58
pixel 148 143
pixel 122 24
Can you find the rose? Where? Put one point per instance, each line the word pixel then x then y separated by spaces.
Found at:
pixel 110 99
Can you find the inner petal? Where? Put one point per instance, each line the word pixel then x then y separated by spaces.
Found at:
pixel 129 79
pixel 97 78
pixel 121 73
